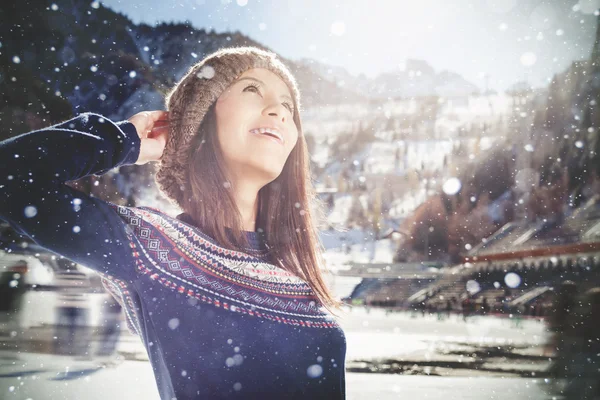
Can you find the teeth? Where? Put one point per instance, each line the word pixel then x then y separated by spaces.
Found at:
pixel 267 131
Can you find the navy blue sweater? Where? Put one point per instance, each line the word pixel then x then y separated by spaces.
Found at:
pixel 216 323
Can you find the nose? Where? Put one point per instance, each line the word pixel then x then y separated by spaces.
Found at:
pixel 276 110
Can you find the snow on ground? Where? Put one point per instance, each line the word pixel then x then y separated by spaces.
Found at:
pixel 336 239
pixel 341 209
pixel 368 334
pixel 342 286
pixel 321 154
pixel 363 386
pixel 374 334
pixel 61 379
pixel 366 251
pixel 325 123
pixel 403 206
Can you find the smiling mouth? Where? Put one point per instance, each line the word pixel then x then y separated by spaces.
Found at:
pixel 267 133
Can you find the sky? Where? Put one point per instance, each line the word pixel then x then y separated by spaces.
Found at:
pixel 491 43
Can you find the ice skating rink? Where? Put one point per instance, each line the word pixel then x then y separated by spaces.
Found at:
pixel 370 335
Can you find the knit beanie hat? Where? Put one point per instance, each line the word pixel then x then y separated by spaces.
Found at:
pixel 190 99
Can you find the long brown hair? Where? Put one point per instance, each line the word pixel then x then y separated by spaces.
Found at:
pixel 285 210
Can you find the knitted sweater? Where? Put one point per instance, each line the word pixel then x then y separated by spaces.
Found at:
pixel 216 323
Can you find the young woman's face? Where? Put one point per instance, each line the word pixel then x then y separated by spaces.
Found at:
pixel 258 99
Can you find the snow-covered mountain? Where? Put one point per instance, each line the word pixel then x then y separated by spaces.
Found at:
pixel 86 57
pixel 415 79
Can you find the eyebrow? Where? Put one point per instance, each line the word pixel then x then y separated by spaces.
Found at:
pixel 261 82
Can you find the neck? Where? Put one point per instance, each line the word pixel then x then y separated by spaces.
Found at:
pixel 245 194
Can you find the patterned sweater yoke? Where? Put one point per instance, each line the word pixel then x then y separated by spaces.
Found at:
pixel 182 258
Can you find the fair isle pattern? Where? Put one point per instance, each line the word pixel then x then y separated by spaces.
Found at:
pixel 118 289
pixel 168 263
pixel 251 311
pixel 190 238
pixel 238 267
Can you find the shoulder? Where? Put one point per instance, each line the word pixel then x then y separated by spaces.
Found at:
pixel 136 214
pixel 151 224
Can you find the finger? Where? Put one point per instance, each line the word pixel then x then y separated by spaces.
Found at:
pixel 160 135
pixel 144 123
pixel 156 147
pixel 161 122
pixel 159 130
pixel 162 142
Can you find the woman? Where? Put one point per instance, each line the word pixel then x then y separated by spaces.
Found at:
pixel 228 297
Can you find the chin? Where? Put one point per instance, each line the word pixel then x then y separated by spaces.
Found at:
pixel 269 175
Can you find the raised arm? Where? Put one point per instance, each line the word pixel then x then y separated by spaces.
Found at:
pixel 35 200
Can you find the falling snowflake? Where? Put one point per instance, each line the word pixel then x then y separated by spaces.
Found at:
pixel 473 286
pixel 207 72
pixel 452 186
pixel 173 323
pixel 30 211
pixel 512 280
pixel 528 59
pixel 314 371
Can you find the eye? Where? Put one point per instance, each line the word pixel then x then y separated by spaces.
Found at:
pixel 289 107
pixel 254 86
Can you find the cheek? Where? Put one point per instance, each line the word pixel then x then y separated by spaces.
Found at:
pixel 294 143
pixel 229 145
pixel 231 132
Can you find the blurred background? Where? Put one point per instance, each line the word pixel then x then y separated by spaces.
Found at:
pixel 454 146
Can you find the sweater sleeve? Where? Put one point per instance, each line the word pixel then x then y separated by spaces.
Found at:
pixel 35 200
